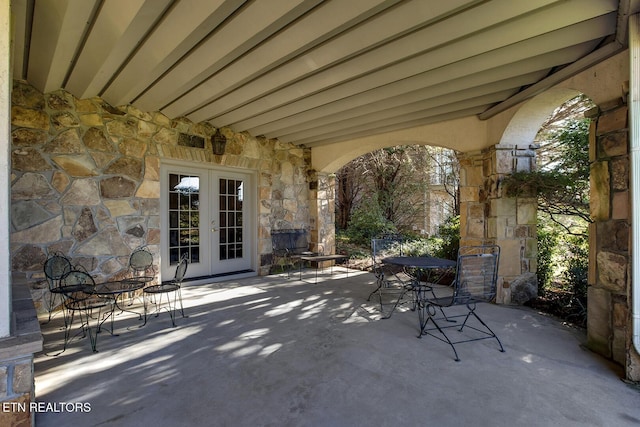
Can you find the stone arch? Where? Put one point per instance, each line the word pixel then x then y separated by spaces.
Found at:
pixel 345 156
pixel 488 216
pixel 465 134
pixel 525 123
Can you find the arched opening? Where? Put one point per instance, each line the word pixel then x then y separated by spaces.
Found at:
pixel 558 179
pixel 410 190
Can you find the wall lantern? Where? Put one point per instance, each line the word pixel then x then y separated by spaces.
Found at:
pixel 218 141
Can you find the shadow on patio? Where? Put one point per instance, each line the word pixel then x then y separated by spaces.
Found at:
pixel 271 351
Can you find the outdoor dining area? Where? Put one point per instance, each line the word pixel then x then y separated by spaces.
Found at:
pixel 74 292
pixel 347 349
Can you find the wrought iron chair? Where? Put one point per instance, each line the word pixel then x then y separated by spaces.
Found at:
pixel 141 268
pixel 391 281
pixel 77 286
pixel 475 282
pixel 141 265
pixel 55 268
pixel 165 288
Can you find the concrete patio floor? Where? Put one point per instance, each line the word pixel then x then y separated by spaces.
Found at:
pixel 272 351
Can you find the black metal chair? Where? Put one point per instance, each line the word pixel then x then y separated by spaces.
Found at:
pixel 55 268
pixel 393 283
pixel 141 265
pixel 164 289
pixel 141 268
pixel 475 282
pixel 77 286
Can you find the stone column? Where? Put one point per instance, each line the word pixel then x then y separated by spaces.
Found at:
pixel 488 217
pixel 322 196
pixel 608 327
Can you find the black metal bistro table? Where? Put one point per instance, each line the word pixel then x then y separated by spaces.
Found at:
pixel 426 269
pixel 426 263
pixel 318 259
pixel 116 289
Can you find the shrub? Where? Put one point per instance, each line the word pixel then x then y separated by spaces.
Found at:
pixel 547 243
pixel 577 264
pixel 447 242
pixel 418 247
pixel 368 222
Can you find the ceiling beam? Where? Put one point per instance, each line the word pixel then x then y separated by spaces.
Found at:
pixel 55 40
pixel 580 65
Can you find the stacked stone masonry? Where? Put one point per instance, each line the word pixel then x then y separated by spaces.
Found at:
pixel 488 217
pixel 86 181
pixel 609 267
pixel 16 388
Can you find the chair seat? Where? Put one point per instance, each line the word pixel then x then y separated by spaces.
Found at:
pixel 164 287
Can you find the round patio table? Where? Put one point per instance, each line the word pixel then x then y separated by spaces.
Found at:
pixel 431 269
pixel 115 289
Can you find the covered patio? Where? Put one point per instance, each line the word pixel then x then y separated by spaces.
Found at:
pixel 109 110
pixel 267 351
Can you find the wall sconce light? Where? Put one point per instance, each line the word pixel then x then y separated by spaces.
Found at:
pixel 218 142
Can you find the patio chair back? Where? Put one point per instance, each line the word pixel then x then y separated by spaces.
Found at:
pixel 77 285
pixel 476 274
pixel 181 270
pixel 385 247
pixel 141 264
pixel 55 268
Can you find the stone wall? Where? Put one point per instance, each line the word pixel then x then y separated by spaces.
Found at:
pixel 85 181
pixel 489 217
pixel 322 196
pixel 17 385
pixel 608 323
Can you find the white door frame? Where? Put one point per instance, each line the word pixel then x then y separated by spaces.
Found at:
pixel 209 173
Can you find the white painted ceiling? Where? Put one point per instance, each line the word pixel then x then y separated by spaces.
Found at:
pixel 313 72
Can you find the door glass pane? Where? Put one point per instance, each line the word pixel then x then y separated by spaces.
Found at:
pixel 173 201
pixel 195 254
pixel 184 217
pixel 231 194
pixel 174 255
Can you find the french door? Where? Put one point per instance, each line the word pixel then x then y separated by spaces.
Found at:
pixel 207 217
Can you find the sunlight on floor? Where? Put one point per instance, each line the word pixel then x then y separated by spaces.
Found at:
pixel 57 377
pixel 284 308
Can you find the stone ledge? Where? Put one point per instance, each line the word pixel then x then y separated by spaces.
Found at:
pixel 26 337
pixel 19 346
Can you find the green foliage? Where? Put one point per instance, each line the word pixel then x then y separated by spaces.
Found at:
pixel 571 155
pixel 354 250
pixel 367 222
pixel 576 258
pixel 447 242
pixel 563 259
pixel 547 244
pixel 418 246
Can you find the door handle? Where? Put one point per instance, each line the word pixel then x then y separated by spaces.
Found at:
pixel 213 226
